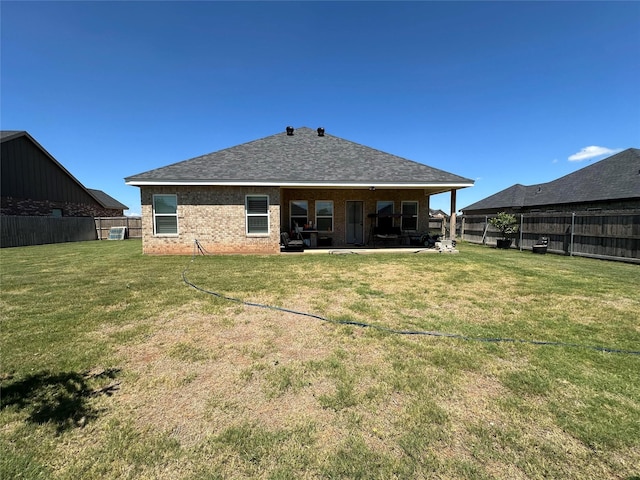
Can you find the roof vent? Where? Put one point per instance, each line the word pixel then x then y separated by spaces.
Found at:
pixel 290 131
pixel 320 132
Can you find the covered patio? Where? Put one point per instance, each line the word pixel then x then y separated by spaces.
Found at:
pixel 375 216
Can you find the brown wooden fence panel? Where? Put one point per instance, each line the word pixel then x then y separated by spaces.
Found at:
pixel 611 235
pixel 104 224
pixel 20 231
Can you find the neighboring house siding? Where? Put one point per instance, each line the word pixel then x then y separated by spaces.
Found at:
pixel 33 183
pixel 215 216
pixel 621 205
pixel 41 202
pixel 29 174
pixel 608 205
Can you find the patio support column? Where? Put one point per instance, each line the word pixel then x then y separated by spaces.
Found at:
pixel 428 216
pixel 452 222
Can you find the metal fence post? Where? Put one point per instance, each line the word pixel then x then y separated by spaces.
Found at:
pixel 573 224
pixel 521 225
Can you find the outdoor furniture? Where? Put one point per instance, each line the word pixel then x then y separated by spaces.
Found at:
pixel 428 240
pixel 288 244
pixel 541 245
pixel 310 237
pixel 386 234
pixel 325 241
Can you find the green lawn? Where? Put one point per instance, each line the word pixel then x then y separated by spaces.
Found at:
pixel 113 367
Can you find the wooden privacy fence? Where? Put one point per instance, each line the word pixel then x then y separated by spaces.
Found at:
pixel 21 231
pixel 608 235
pixel 104 224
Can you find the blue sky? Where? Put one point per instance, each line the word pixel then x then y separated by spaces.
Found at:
pixel 499 92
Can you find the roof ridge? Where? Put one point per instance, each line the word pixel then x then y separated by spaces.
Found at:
pixel 301 159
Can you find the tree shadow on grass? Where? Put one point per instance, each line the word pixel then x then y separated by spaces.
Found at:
pixel 59 398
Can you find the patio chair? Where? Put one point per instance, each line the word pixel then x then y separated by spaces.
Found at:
pixel 289 244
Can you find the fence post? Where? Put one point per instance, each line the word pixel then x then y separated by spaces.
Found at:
pixel 486 226
pixel 521 224
pixel 573 224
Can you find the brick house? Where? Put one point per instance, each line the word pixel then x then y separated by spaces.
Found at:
pixel 36 184
pixel 239 200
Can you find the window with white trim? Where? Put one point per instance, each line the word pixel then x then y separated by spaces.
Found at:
pixel 299 213
pixel 324 215
pixel 384 209
pixel 409 216
pixel 257 213
pixel 165 214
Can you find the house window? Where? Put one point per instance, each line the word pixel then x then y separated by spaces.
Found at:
pixel 165 214
pixel 409 216
pixel 56 212
pixel 384 209
pixel 257 211
pixel 324 215
pixel 299 212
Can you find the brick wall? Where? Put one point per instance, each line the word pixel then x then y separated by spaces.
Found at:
pixel 369 199
pixel 42 208
pixel 215 216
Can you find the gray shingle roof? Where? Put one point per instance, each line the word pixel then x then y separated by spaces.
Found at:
pixel 7 134
pixel 613 178
pixel 107 201
pixel 305 158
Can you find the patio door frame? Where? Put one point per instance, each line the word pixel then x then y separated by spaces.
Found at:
pixel 353 225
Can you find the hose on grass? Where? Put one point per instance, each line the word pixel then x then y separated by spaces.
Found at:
pixel 198 248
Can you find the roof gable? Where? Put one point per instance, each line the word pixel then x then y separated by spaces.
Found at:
pixel 302 158
pixel 98 196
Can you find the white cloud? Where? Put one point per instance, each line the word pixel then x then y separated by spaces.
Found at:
pixel 590 152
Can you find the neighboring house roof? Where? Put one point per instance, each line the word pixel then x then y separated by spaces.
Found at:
pixel 99 196
pixel 8 134
pixel 107 201
pixel 613 178
pixel 302 159
pixel 437 213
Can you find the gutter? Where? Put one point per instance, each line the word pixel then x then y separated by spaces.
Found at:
pixel 140 183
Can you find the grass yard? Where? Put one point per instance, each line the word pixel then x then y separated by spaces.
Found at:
pixel 112 367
